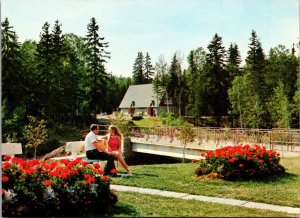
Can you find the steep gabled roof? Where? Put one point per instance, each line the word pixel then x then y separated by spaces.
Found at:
pixel 142 96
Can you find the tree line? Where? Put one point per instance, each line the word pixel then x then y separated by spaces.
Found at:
pixel 61 78
pixel 263 93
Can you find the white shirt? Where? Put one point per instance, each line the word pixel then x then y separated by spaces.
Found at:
pixel 88 142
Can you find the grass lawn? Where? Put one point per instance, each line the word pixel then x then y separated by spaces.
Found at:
pixel 142 205
pixel 283 191
pixel 148 122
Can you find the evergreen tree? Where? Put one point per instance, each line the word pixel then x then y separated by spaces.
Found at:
pixel 138 70
pixel 95 67
pixel 197 62
pixel 44 72
pixel 149 73
pixel 255 66
pixel 217 79
pixel 13 77
pixel 14 85
pixel 173 86
pixel 233 62
pixel 256 70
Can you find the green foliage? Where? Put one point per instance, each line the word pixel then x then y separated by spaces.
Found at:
pixel 170 119
pixel 186 134
pixel 215 91
pixel 12 123
pixel 97 76
pixel 14 80
pixel 148 74
pixel 118 119
pixel 280 107
pixel 241 162
pixel 161 79
pixel 35 133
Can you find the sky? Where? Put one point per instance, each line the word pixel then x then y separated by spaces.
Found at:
pixel 160 27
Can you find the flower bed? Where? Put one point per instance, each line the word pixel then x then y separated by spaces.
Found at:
pixel 241 162
pixel 65 188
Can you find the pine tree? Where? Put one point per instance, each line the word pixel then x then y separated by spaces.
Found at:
pixel 96 71
pixel 256 70
pixel 138 70
pixel 173 86
pixel 233 62
pixel 14 85
pixel 255 65
pixel 13 78
pixel 197 62
pixel 217 78
pixel 44 72
pixel 148 74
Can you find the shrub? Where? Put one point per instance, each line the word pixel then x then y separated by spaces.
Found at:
pixel 241 162
pixel 64 188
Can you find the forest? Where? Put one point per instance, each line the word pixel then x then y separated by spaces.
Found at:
pixel 61 79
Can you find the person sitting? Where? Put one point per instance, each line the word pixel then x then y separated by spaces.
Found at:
pixel 95 151
pixel 114 142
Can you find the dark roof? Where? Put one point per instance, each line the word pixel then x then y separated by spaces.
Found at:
pixel 142 96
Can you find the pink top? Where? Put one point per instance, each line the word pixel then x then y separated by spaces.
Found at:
pixel 113 143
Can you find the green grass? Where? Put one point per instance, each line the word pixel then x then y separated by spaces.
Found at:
pixel 181 178
pixel 134 204
pixel 148 122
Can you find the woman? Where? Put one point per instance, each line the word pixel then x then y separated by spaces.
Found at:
pixel 114 140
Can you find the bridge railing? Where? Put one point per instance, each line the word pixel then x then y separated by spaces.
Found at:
pixel 287 138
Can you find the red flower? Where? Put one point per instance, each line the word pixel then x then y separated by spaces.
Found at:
pixel 6 165
pixel 241 165
pixel 7 157
pixel 47 182
pixel 29 171
pixel 84 163
pixel 5 179
pixel 194 161
pixel 232 160
pixel 97 166
pixel 105 178
pixel 113 171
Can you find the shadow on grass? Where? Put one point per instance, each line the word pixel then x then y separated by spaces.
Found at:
pixel 123 209
pixel 274 179
pixel 282 178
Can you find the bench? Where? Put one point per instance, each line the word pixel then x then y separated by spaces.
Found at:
pixel 11 149
pixel 77 151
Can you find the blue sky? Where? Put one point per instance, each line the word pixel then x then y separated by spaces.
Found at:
pixel 160 27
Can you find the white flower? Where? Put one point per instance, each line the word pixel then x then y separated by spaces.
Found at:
pixel 9 195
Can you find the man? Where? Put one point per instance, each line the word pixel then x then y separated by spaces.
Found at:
pixel 95 151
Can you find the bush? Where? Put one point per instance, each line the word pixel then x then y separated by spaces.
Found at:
pixel 65 188
pixel 241 162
